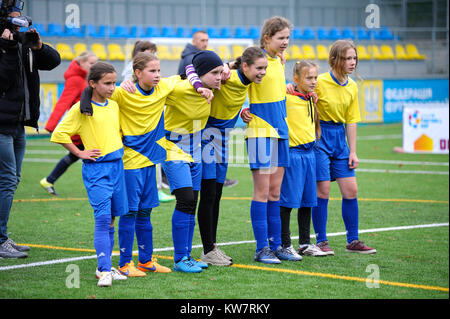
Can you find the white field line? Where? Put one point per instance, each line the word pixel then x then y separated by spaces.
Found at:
pixel 68 260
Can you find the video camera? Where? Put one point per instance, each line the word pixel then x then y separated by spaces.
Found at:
pixel 28 39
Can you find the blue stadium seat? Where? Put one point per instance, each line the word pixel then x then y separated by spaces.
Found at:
pixel 308 34
pixel 75 32
pixel 296 33
pixel 213 32
pixel 119 31
pixel 152 31
pixel 240 33
pixel 55 30
pixel 137 31
pixel 322 34
pixel 225 32
pixel 195 29
pixel 183 32
pixel 254 32
pixel 363 33
pixel 383 34
pixel 168 32
pixel 334 33
pixel 347 33
pixel 41 28
pixel 96 32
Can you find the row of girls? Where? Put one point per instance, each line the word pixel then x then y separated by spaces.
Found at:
pixel 128 130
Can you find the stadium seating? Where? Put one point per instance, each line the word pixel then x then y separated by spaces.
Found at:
pixel 322 52
pixel 387 52
pixel 237 51
pixel 115 52
pixel 224 52
pixel 240 33
pixel 308 52
pixel 295 52
pixel 322 34
pixel 308 34
pixel 254 32
pixel 400 53
pixel 297 33
pixel 152 31
pixel 79 48
pixel 363 54
pixel 383 33
pixel 213 32
pixel 168 32
pixel 413 52
pixel 41 29
pixel 65 51
pixel 55 30
pixel 374 51
pixel 334 33
pixel 347 33
pixel 183 32
pixel 363 33
pixel 118 31
pixel 99 50
pixel 136 31
pixel 176 51
pixel 225 32
pixel 75 32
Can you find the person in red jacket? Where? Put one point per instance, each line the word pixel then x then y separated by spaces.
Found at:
pixel 75 77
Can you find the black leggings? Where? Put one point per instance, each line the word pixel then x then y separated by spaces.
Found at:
pixel 304 225
pixel 208 212
pixel 186 200
pixel 63 165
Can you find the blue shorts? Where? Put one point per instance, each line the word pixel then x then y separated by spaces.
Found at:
pixel 298 188
pixel 215 154
pixel 105 186
pixel 183 174
pixel 266 152
pixel 141 186
pixel 332 153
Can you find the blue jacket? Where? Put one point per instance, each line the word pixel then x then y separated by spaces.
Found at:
pixel 186 57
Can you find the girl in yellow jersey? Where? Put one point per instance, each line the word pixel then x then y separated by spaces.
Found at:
pixel 336 151
pixel 186 116
pixel 225 108
pixel 268 143
pixel 298 189
pixel 103 173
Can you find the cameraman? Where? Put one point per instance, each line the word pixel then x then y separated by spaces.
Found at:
pixel 19 107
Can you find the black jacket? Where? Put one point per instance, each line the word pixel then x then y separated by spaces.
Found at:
pixel 186 57
pixel 12 90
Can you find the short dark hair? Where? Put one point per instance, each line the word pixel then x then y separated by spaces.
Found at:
pixel 98 70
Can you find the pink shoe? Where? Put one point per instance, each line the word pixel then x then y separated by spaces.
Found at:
pixel 358 246
pixel 323 246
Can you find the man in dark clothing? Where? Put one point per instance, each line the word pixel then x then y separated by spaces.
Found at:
pixel 19 107
pixel 199 43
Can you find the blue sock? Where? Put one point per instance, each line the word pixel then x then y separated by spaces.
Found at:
pixel 319 216
pixel 101 242
pixel 144 236
pixel 111 238
pixel 126 238
pixel 274 224
pixel 190 234
pixel 180 233
pixel 258 214
pixel 350 217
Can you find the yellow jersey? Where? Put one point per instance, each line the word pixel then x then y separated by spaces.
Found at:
pixel 268 103
pixel 99 131
pixel 142 123
pixel 337 102
pixel 300 120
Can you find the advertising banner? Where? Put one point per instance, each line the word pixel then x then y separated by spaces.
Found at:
pixel 425 129
pixel 371 101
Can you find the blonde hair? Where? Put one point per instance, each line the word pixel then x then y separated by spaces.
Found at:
pixel 336 58
pixel 140 62
pixel 299 68
pixel 272 26
pixel 84 56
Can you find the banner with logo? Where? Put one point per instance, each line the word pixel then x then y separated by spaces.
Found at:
pixel 371 101
pixel 398 93
pixel 425 129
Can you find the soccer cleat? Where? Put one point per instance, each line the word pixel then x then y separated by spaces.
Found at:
pixel 164 198
pixel 266 256
pixel 17 247
pixel 152 266
pixel 115 274
pixel 214 257
pixel 311 250
pixel 105 279
pixel 323 246
pixel 357 246
pixel 223 253
pixel 8 251
pixel 186 265
pixel 287 253
pixel 130 270
pixel 197 263
pixel 230 182
pixel 48 187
